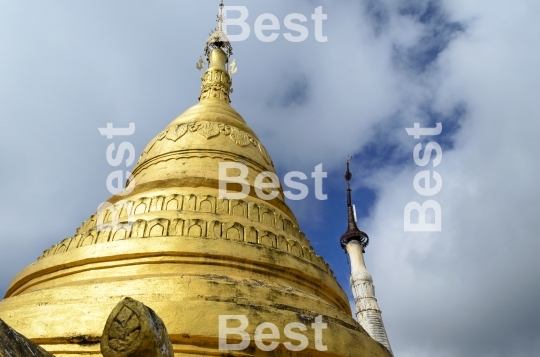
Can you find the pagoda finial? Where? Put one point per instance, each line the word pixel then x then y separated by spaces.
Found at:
pixel 220 18
pixel 218 38
pixel 217 82
pixel 353 233
pixel 348 177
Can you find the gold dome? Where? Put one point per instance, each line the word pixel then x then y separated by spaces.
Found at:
pixel 188 253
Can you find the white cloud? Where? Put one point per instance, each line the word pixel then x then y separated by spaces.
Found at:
pixel 468 290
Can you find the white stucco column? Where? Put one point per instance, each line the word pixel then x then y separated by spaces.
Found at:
pixel 368 313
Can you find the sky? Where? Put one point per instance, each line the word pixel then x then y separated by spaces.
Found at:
pixel 68 68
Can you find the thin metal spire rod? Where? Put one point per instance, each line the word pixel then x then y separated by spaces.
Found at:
pixel 353 233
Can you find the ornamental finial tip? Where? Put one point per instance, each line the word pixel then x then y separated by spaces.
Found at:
pixel 220 17
pixel 348 175
pixel 218 38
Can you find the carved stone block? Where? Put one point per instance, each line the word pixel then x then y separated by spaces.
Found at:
pixel 135 330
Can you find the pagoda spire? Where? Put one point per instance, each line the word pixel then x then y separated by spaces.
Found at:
pixel 217 80
pixel 354 242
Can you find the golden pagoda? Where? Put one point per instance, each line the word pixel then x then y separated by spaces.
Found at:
pixel 195 257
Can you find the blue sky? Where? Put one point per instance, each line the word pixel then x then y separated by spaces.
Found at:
pixel 68 68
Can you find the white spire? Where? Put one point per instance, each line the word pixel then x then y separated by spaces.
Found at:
pixel 368 313
pixel 354 241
